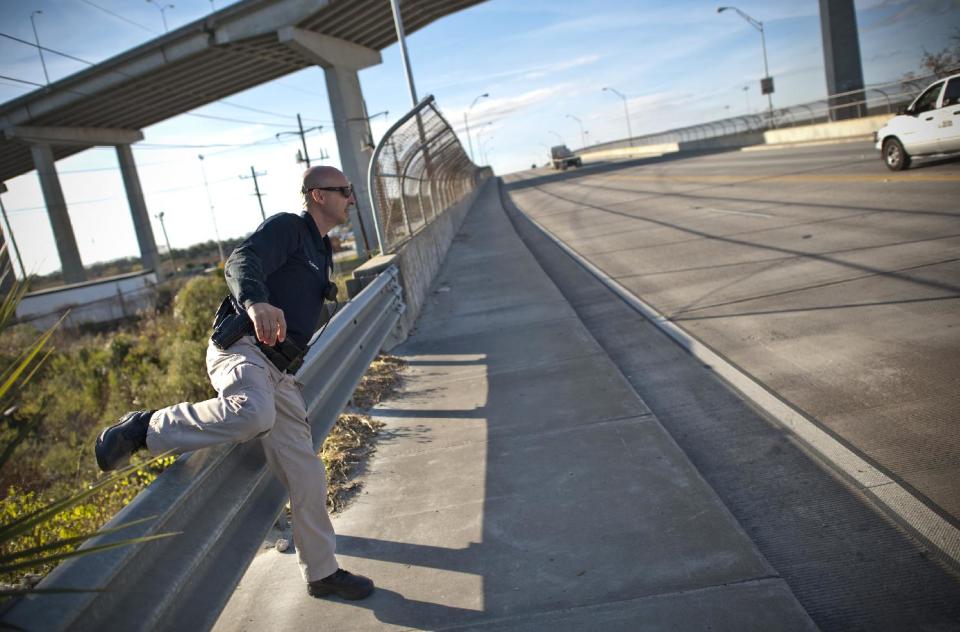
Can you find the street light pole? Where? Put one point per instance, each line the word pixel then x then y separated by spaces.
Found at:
pixel 559 137
pixel 39 48
pixel 483 152
pixel 163 12
pixel 483 128
pixel 757 24
pixel 626 113
pixel 583 139
pixel 216 233
pixel 401 38
pixel 467 124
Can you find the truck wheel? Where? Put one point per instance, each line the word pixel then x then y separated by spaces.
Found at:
pixel 894 155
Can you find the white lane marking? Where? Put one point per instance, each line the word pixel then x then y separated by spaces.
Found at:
pixel 906 508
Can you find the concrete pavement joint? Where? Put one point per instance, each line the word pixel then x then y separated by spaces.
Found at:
pixel 588 425
pixel 514 368
pixel 903 506
pixel 754 581
pixel 440 321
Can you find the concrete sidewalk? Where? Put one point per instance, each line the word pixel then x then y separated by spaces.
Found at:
pixel 522 484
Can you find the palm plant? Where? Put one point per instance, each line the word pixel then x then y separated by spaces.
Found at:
pixel 12 380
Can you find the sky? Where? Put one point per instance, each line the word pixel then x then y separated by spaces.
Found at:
pixel 543 63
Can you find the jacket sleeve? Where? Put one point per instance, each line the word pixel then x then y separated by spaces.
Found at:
pixel 261 254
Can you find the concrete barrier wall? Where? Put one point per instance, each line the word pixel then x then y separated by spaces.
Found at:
pixel 99 301
pixel 621 153
pixel 730 141
pixel 853 128
pixel 419 260
pixel 838 130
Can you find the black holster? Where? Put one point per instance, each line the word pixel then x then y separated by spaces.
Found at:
pixel 230 325
pixel 286 356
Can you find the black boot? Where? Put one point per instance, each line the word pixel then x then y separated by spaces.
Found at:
pixel 119 441
pixel 342 584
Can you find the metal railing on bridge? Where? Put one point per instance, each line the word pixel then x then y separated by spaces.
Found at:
pixel 418 170
pixel 876 99
pixel 221 502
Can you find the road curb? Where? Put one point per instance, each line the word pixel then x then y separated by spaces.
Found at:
pixel 809 143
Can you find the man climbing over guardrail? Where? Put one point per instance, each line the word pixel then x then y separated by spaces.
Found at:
pixel 278 279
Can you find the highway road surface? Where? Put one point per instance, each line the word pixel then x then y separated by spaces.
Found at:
pixel 830 280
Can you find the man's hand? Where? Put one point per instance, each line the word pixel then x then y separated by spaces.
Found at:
pixel 269 323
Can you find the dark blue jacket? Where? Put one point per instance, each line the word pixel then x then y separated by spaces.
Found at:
pixel 287 263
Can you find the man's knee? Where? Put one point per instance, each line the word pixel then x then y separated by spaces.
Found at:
pixel 257 414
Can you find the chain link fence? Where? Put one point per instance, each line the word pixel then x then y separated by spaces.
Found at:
pixel 885 98
pixel 418 170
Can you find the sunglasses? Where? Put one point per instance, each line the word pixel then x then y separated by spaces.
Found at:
pixel 346 191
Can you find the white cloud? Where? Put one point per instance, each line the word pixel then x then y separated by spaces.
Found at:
pixel 497 107
pixel 526 72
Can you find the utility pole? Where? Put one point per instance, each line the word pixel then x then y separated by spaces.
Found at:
pixel 256 187
pixel 305 157
pixel 163 227
pixel 216 233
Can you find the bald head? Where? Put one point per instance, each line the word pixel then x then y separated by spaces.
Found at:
pixel 323 176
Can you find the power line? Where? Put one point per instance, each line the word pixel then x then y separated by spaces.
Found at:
pixel 49 50
pixel 179 146
pixel 31 209
pixel 233 120
pixel 31 83
pixel 90 63
pixel 193 114
pixel 118 16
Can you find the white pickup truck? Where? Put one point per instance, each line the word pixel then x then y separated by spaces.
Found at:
pixel 929 125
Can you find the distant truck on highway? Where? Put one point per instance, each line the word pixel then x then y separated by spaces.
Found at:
pixel 562 157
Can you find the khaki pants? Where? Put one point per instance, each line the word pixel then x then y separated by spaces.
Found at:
pixel 253 399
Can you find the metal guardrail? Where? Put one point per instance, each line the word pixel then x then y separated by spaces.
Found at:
pixel 418 170
pixel 876 99
pixel 223 500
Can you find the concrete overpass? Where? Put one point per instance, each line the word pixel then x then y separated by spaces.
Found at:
pixel 239 47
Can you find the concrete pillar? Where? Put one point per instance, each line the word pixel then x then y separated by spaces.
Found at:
pixel 340 61
pixel 138 211
pixel 841 57
pixel 353 136
pixel 57 210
